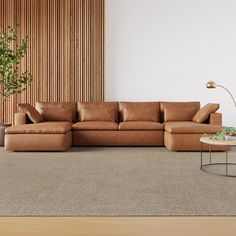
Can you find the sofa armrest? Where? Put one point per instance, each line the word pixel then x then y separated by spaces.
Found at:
pixel 20 119
pixel 215 119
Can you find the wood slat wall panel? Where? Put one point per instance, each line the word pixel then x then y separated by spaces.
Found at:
pixel 66 49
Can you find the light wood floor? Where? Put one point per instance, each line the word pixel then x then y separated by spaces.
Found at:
pixel 114 226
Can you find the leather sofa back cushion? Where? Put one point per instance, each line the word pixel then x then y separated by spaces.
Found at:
pixel 177 105
pixel 204 113
pixel 57 111
pixel 57 114
pixel 31 112
pixel 97 105
pixel 140 114
pixel 139 105
pixel 98 114
pixel 179 114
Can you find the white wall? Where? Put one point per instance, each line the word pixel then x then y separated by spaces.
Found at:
pixel 169 49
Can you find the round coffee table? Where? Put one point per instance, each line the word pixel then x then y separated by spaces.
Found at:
pixel 210 143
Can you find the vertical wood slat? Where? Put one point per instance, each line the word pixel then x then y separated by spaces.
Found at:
pixel 66 49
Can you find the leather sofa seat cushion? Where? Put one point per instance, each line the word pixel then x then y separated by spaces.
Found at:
pixel 95 125
pixel 41 128
pixel 57 111
pixel 98 114
pixel 190 127
pixel 204 113
pixel 140 114
pixel 179 114
pixel 139 105
pixel 98 106
pixel 180 105
pixel 140 125
pixel 31 112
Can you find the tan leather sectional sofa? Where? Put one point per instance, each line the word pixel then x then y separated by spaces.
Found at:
pixel 69 124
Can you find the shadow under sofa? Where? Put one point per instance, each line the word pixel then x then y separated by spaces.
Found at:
pixel 67 124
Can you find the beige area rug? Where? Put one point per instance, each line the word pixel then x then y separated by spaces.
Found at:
pixel 112 182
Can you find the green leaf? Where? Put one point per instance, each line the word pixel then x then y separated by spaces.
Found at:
pixel 11 80
pixel 221 134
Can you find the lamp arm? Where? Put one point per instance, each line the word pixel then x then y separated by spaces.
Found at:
pixel 228 93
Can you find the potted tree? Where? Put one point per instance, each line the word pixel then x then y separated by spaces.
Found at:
pixel 11 80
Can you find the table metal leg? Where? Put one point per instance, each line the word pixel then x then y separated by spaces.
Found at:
pixel 201 155
pixel 226 166
pixel 209 147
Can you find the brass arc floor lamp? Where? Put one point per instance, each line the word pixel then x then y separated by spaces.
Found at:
pixel 212 85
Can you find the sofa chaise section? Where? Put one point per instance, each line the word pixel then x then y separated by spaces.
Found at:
pixel 44 136
pixel 53 134
pixel 185 136
pixel 181 132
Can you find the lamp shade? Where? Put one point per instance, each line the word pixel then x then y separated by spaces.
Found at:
pixel 211 84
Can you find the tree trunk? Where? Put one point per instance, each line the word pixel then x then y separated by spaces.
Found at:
pixel 3 112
